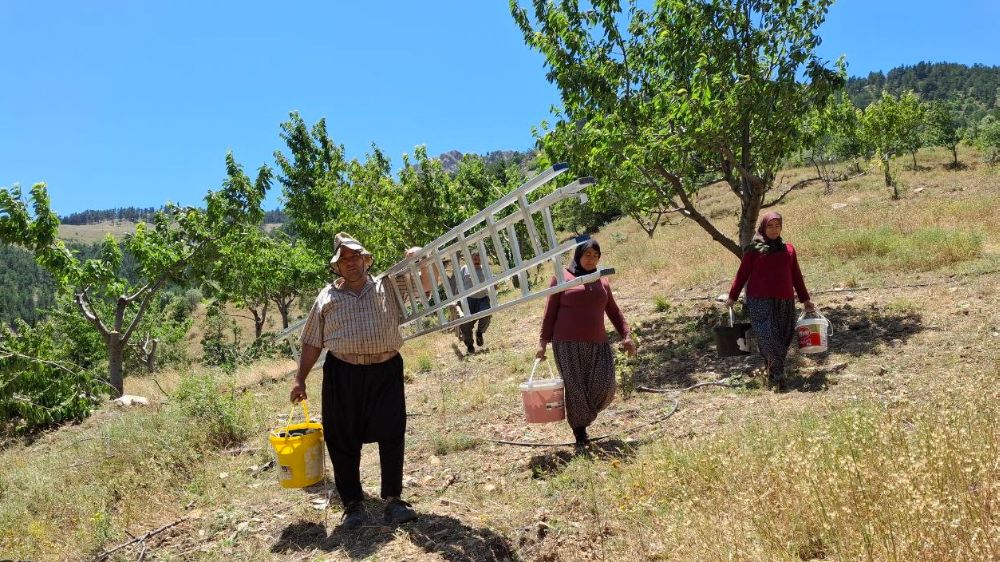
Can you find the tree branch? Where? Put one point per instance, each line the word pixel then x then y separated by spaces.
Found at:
pixel 689 211
pixel 794 186
pixel 83 301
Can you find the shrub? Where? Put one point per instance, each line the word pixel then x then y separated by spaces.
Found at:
pixel 219 415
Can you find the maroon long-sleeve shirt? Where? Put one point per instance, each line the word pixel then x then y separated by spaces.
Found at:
pixel 577 314
pixel 771 275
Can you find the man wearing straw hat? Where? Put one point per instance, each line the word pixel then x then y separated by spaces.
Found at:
pixel 357 319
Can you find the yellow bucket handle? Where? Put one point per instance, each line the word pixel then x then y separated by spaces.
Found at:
pixel 305 412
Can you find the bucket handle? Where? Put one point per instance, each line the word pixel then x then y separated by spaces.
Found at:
pixel 535 366
pixel 816 312
pixel 305 412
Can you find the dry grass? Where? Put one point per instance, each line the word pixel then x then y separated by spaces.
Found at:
pixel 887 450
pixel 90 233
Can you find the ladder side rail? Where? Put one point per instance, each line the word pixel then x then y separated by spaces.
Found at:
pixel 533 296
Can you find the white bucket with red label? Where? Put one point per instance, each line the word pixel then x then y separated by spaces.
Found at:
pixel 813 333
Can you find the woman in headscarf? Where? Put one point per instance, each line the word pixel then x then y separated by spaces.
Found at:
pixel 574 324
pixel 770 271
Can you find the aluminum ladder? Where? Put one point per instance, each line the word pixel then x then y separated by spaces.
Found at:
pixel 422 285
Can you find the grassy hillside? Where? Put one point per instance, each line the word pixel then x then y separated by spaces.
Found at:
pixel 887 447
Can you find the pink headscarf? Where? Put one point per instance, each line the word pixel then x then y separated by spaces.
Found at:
pixel 761 235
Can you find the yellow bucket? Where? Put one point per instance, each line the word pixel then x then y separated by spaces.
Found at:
pixel 299 448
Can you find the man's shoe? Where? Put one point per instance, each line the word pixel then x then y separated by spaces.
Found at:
pixel 479 339
pixel 469 348
pixel 397 511
pixel 354 516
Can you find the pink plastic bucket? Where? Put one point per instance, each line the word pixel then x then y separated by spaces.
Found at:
pixel 543 399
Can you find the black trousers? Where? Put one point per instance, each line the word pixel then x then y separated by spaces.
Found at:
pixel 364 404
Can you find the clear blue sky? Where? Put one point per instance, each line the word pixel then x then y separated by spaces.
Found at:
pixel 131 103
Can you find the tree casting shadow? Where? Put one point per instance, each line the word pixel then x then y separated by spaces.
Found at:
pixel 678 347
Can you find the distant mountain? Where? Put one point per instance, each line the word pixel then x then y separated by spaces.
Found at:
pixel 130 214
pixel 978 84
pixel 140 214
pixel 452 158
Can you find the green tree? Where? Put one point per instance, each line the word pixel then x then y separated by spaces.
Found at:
pixel 657 104
pixel 169 249
pixel 988 138
pixel 831 138
pixel 944 128
pixel 311 176
pixel 912 120
pixel 324 193
pixel 886 131
pixel 297 272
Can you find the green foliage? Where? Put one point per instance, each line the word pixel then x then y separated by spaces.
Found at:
pixel 988 138
pixel 972 88
pixel 656 122
pixel 888 127
pixel 38 386
pixel 944 128
pixel 193 298
pixel 325 193
pixel 625 373
pixel 424 363
pixel 661 304
pixel 27 288
pixel 221 415
pixel 222 342
pixel 171 249
pixel 444 444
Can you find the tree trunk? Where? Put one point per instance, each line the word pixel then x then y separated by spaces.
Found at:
pixel 954 156
pixel 913 153
pixel 752 201
pixel 258 322
pixel 283 309
pixel 116 360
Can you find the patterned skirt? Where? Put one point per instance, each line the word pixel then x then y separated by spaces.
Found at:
pixel 588 373
pixel 773 322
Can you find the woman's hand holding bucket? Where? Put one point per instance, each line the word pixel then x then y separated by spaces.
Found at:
pixel 540 353
pixel 628 346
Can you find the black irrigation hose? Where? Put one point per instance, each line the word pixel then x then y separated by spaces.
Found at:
pixel 676 405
